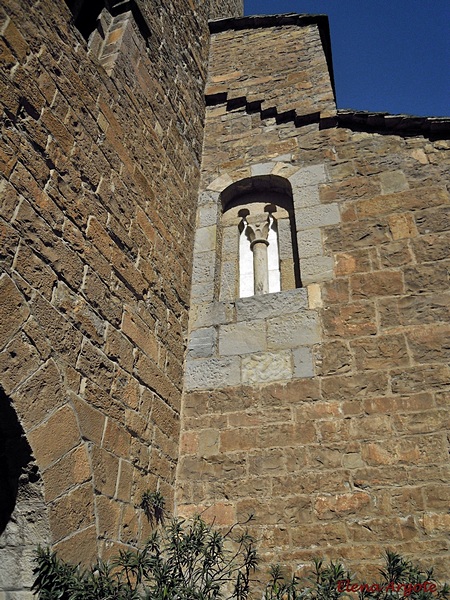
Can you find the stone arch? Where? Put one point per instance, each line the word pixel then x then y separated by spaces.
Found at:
pixel 23 513
pixel 311 215
pixel 258 228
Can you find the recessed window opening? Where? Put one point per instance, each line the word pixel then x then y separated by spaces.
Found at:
pixel 258 213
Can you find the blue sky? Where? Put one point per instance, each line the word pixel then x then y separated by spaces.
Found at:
pixel 388 55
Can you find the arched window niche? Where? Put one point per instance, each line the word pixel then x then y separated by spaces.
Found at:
pixel 259 253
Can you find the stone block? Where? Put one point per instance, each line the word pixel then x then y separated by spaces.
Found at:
pixel 207 214
pixel 39 395
pixel 18 361
pixel 381 352
pixel 208 197
pixel 140 333
pixel 202 291
pixel 212 373
pixel 220 183
pixel 230 242
pixel 309 244
pixel 314 296
pixel 202 343
pixel 377 283
pixel 303 362
pixel 402 226
pixel 79 548
pixel 294 330
pixel 242 338
pixel 119 349
pixel 262 169
pixel 14 309
pixel 405 200
pixel 105 467
pixel 205 239
pixel 309 176
pixel 75 307
pixel 91 420
pixel 335 358
pixel 430 344
pixel 108 513
pixel 55 437
pixel 116 439
pixel 203 267
pixel 64 337
pixel 258 369
pixel 214 313
pixel 271 305
pixel 228 281
pixel 95 365
pixel 317 216
pixel 306 197
pixel 393 181
pixel 72 470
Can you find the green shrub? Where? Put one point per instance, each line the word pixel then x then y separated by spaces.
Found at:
pixel 190 560
pixel 182 560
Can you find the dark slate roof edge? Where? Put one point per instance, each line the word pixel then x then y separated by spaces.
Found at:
pixel 255 21
pixel 301 20
pixel 406 124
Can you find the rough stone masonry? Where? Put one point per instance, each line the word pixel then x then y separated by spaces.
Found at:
pixel 322 408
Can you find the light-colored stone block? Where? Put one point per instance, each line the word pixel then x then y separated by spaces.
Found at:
pixel 230 242
pixel 202 292
pixel 228 281
pixel 282 158
pixel 219 184
pixel 316 269
pixel 208 197
pixel 212 373
pixel 306 196
pixel 292 331
pixel 205 239
pixel 202 343
pixel 309 243
pixel 314 296
pixel 393 181
pixel 284 239
pixel 317 216
pixel 215 313
pixel 271 305
pixel 207 215
pixel 303 362
pixel 203 267
pixel 242 338
pixel 266 367
pixel 262 169
pixel 312 175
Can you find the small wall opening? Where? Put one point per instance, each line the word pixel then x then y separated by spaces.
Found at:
pixel 259 252
pixel 15 460
pixel 23 513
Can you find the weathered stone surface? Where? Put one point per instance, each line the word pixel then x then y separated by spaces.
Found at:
pixel 334 427
pixel 40 395
pixel 292 331
pixel 266 367
pixel 242 338
pixel 14 309
pixel 212 372
pixel 55 437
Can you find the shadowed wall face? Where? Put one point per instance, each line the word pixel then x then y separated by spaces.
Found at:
pixel 99 170
pixel 322 410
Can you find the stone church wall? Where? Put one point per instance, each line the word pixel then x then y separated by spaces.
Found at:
pixel 337 442
pixel 99 164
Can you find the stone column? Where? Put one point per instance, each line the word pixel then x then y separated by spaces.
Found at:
pixel 257 232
